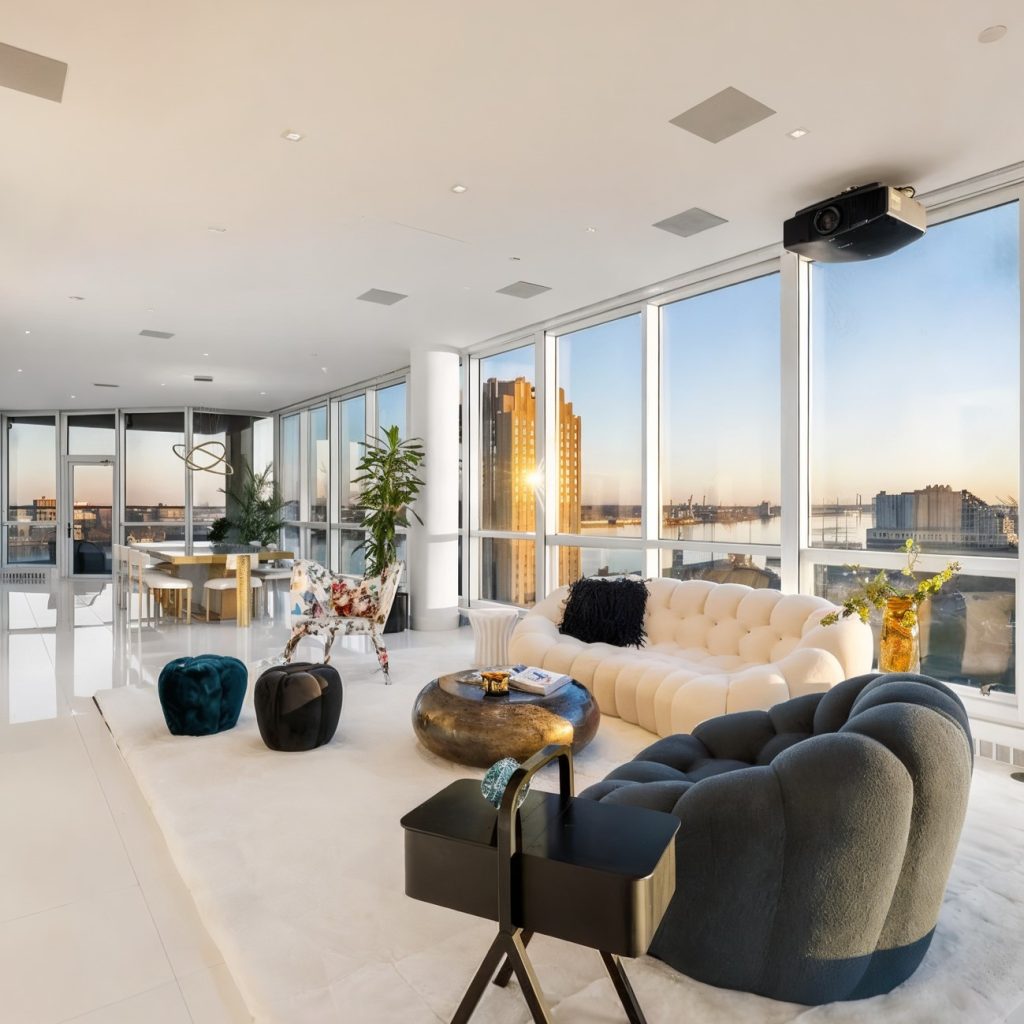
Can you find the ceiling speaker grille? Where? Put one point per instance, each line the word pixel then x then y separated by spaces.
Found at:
pixel 32 73
pixel 202 378
pixel 156 334
pixel 381 297
pixel 690 222
pixel 722 115
pixel 523 289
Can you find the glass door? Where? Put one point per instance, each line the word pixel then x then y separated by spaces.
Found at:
pixel 88 529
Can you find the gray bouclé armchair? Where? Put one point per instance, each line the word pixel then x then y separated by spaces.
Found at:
pixel 817 837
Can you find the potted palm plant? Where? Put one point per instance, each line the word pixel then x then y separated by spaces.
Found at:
pixel 389 485
pixel 256 506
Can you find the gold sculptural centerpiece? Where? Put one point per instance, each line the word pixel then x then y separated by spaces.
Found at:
pixel 898 649
pixel 495 681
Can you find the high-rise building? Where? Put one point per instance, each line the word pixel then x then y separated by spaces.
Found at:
pixel 570 496
pixel 44 510
pixel 509 462
pixel 940 518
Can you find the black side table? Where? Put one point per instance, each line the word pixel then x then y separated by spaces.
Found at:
pixel 595 874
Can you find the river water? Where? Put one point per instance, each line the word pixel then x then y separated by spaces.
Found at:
pixel 847 530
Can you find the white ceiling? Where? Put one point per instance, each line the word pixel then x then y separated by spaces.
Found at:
pixel 554 114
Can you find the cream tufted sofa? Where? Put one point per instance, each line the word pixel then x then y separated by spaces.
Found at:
pixel 712 648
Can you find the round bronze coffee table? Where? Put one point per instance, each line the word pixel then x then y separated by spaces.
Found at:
pixel 458 721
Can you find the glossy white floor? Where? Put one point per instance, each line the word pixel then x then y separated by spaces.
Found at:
pixel 97 926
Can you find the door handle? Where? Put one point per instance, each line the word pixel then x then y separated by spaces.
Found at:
pixel 69 531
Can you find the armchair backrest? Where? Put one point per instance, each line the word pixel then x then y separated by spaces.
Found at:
pixel 316 593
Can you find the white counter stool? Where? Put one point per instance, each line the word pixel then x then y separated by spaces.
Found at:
pixel 153 584
pixel 159 583
pixel 492 629
pixel 234 563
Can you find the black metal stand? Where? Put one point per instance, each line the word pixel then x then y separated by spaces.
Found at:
pixel 511 942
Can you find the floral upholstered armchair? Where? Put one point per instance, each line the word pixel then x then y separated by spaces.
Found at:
pixel 325 604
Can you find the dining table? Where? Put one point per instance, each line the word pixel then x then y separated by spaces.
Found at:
pixel 205 553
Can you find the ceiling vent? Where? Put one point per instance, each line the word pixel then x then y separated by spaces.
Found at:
pixel 690 222
pixel 523 289
pixel 156 334
pixel 202 378
pixel 32 73
pixel 381 297
pixel 722 115
pixel 106 385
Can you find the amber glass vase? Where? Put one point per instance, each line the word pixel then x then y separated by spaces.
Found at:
pixel 898 650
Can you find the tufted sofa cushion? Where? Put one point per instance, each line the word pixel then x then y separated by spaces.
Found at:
pixel 817 836
pixel 712 648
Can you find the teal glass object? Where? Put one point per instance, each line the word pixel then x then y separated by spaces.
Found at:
pixel 496 780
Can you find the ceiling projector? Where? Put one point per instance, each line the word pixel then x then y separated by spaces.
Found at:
pixel 858 224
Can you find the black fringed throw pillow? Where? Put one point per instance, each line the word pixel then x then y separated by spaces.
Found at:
pixel 609 611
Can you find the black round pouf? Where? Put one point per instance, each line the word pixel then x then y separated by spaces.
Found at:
pixel 298 706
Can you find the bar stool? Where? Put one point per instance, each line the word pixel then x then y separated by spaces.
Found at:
pixel 223 583
pixel 157 583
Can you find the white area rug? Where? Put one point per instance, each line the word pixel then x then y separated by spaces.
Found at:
pixel 296 865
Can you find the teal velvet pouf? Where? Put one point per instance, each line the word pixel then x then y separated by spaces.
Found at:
pixel 203 695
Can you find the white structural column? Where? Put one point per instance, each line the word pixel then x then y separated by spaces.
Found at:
pixel 434 545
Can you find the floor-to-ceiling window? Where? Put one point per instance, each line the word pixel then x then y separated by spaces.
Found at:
pixel 154 477
pixel 509 475
pixel 914 431
pixel 597 479
pixel 223 441
pixel 31 512
pixel 719 436
pixel 352 428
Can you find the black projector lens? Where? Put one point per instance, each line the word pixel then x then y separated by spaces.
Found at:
pixel 826 220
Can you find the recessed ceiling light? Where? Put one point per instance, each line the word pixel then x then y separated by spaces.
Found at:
pixel 263 392
pixel 992 34
pixel 797 133
pixel 323 369
pixel 163 385
pixel 20 371
pixel 591 231
pixel 77 298
pixel 74 396
pixel 28 332
pixel 291 136
pixel 206 354
pixel 459 189
pixel 216 230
